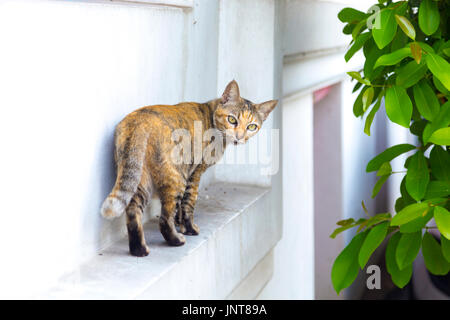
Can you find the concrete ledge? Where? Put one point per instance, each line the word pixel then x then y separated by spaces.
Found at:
pixel 237 230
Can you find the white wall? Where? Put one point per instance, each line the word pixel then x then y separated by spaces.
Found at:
pixel 328 193
pixel 70 72
pixel 294 255
pixel 246 54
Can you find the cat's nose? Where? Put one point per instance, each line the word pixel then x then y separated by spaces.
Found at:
pixel 240 135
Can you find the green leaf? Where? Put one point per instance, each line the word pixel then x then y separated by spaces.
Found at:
pixel 410 74
pixel 377 219
pixel 358 105
pixel 350 15
pixel 388 27
pixel 406 26
pixel 345 267
pixel 416 51
pixel 357 87
pixel 446 48
pixel 340 230
pixel 357 76
pixel 429 17
pixel 417 177
pixel 359 42
pixel 388 155
pixel 345 225
pixel 367 98
pixel 372 114
pixel 373 240
pixel 416 117
pixel 345 222
pixel 407 162
pixel 399 204
pixel 441 137
pixel 438 84
pixel 358 28
pixel 437 45
pixel 398 106
pixel 405 195
pixel 348 28
pixel 426 100
pixel 399 7
pixel 378 185
pixel 417 224
pixel 426 47
pixel 418 126
pixel 432 254
pixel 385 169
pixel 399 277
pixel 441 120
pixel 437 189
pixel 410 212
pixel 407 248
pixel 445 244
pixel 440 163
pixel 400 41
pixel 440 68
pixel 442 218
pixel 393 58
pixel 372 53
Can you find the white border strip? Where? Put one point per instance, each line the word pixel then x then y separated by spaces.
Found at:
pixel 169 3
pixel 184 4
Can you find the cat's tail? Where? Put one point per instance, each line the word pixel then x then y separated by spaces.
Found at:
pixel 130 156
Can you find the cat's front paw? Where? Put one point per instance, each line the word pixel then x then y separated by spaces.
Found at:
pixel 139 251
pixel 170 233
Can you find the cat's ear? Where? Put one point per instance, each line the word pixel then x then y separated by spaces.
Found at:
pixel 231 93
pixel 265 108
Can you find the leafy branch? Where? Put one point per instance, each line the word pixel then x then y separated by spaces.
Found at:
pixel 407 51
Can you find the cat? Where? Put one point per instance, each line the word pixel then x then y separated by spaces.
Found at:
pixel 146 168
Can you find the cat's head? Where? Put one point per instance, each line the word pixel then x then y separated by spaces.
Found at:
pixel 240 118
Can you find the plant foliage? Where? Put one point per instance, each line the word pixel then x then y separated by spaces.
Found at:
pixel 407 52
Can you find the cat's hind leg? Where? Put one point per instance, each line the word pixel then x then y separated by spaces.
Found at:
pixel 134 212
pixel 170 196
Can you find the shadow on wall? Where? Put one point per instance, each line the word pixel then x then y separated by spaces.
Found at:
pixel 104 180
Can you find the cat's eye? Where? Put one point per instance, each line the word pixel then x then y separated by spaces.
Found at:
pixel 252 127
pixel 232 120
